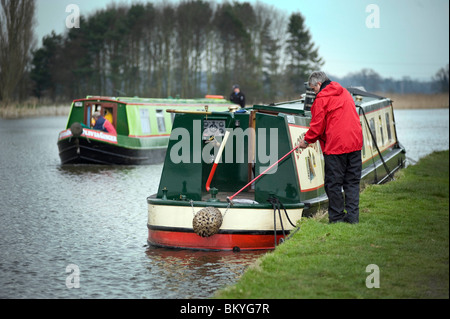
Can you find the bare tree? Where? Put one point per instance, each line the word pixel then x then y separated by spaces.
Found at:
pixel 441 78
pixel 16 41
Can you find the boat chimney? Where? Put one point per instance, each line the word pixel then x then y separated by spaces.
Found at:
pixel 309 97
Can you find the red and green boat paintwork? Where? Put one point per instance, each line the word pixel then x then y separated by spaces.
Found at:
pixel 143 128
pixel 251 222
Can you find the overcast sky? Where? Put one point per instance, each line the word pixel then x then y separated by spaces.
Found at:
pixel 395 38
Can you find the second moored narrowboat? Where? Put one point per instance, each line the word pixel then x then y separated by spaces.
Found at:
pixel 142 128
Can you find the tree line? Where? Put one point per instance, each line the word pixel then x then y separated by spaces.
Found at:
pixel 373 82
pixel 187 49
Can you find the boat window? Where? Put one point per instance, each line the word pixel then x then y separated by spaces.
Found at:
pixel 145 121
pixel 161 121
pixel 88 115
pixel 373 129
pixel 388 125
pixel 90 109
pixel 107 110
pixel 381 131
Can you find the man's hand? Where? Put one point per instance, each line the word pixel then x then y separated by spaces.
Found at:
pixel 303 144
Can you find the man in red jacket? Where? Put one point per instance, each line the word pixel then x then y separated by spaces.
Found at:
pixel 335 123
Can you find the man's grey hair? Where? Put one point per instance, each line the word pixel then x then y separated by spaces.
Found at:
pixel 96 115
pixel 317 76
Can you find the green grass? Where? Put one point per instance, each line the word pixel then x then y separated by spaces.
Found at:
pixel 403 229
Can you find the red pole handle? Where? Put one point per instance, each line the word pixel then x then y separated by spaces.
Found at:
pixel 216 161
pixel 210 177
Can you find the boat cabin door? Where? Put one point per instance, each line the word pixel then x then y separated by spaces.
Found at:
pixel 107 109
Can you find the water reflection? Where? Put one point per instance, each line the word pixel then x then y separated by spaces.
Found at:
pixel 103 175
pixel 198 274
pixel 91 169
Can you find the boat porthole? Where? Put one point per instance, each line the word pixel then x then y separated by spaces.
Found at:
pixel 236 249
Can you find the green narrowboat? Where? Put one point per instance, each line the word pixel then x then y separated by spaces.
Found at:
pixel 238 181
pixel 142 128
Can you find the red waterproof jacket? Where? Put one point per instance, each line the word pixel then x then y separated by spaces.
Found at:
pixel 335 122
pixel 104 125
pixel 109 127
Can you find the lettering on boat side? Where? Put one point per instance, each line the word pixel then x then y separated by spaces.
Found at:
pixel 96 135
pixel 73 280
pixel 99 135
pixel 65 134
pixel 227 308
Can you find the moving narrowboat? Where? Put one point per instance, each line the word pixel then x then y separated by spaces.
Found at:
pixel 236 180
pixel 142 128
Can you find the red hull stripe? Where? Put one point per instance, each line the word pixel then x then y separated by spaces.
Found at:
pixel 223 232
pixel 219 241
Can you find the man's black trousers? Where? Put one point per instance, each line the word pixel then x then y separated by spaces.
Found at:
pixel 343 172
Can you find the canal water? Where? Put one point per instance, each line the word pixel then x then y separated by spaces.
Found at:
pixel 61 221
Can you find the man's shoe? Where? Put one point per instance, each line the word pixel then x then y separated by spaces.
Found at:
pixel 350 221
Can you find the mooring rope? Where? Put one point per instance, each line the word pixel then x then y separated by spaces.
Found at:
pixel 277 205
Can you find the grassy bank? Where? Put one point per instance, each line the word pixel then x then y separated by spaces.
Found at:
pixel 403 229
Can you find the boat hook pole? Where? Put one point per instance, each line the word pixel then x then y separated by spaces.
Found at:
pixel 216 161
pixel 229 199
